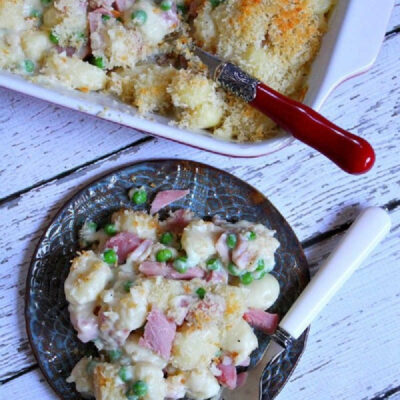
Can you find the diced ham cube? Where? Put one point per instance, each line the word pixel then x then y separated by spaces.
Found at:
pixel 228 377
pixel 140 253
pixel 191 273
pixel 218 276
pixel 159 334
pixel 178 221
pixel 262 320
pixel 153 268
pixel 241 255
pixel 123 243
pixel 165 198
pixel 95 21
pixel 222 248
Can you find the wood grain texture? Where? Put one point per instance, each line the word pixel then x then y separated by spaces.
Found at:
pixel 353 351
pixel 41 140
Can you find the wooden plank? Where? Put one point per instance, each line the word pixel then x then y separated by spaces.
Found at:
pixel 352 351
pixel 394 22
pixel 41 140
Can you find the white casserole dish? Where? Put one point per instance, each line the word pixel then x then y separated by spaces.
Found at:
pixel 350 47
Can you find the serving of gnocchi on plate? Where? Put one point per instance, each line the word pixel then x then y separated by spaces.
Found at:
pixel 169 304
pixel 162 280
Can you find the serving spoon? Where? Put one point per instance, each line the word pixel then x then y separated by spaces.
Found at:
pixel 362 237
pixel 351 153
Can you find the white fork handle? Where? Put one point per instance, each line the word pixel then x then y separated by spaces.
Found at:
pixel 365 233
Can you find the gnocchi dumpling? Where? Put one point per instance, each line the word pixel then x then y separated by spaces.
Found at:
pixel 263 292
pixel 154 378
pixel 75 73
pixel 239 339
pixel 143 225
pixel 194 348
pixel 196 98
pixel 201 384
pixel 198 241
pixel 87 277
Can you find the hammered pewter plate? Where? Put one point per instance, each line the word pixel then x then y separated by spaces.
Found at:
pixel 212 191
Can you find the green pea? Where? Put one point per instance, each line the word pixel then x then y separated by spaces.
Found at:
pixel 46 2
pixel 139 197
pixel 180 264
pixel 53 38
pixel 231 240
pixel 98 62
pixel 246 278
pixel 90 366
pixel 105 17
pixel 215 3
pixel 251 235
pixel 114 355
pixel 92 226
pixel 139 16
pixel 163 255
pixel 166 5
pixel 213 264
pixel 201 292
pixel 260 265
pixel 127 286
pixel 110 256
pixel 233 269
pixel 110 229
pixel 36 14
pixel 181 8
pixel 125 374
pixel 29 66
pixel 166 238
pixel 140 388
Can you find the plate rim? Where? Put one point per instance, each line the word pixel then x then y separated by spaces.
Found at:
pixel 76 195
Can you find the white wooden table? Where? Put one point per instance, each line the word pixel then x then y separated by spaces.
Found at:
pixel 353 352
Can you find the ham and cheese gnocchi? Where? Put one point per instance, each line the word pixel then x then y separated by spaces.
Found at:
pixel 140 52
pixel 170 304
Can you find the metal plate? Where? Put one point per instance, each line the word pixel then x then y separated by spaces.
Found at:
pixel 212 191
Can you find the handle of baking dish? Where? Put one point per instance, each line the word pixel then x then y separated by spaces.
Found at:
pixel 366 232
pixel 349 47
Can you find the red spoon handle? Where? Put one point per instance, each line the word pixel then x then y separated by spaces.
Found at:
pixel 350 152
